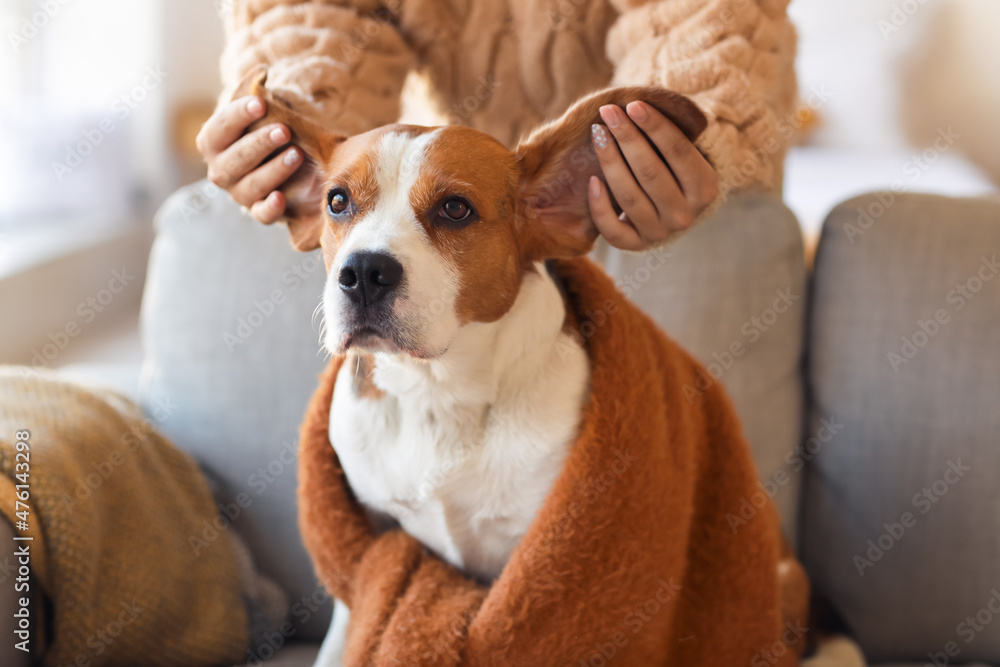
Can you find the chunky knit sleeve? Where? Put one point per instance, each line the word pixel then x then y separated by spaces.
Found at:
pixel 341 62
pixel 734 59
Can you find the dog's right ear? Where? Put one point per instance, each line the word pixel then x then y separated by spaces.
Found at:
pixel 304 197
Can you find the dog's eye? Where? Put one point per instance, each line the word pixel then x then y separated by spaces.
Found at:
pixel 456 209
pixel 337 202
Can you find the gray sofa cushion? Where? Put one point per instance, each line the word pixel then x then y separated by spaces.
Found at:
pixel 901 511
pixel 231 360
pixel 732 291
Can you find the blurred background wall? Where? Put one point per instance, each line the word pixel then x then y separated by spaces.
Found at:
pixel 101 100
pixel 874 70
pixel 898 69
pixel 952 76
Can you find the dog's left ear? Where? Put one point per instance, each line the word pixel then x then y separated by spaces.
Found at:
pixel 304 196
pixel 557 160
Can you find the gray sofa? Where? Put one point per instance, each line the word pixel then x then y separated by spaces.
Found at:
pixel 870 393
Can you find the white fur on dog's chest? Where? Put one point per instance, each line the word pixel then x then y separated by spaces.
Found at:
pixel 463 450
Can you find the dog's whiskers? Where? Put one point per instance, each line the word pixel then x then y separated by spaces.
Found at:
pixel 321 312
pixel 317 310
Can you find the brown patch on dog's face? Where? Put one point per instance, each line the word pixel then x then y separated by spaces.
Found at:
pixel 352 166
pixel 465 168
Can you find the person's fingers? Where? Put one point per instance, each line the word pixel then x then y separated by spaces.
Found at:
pixel 627 192
pixel 270 209
pixel 650 170
pixel 616 231
pixel 227 124
pixel 266 178
pixel 234 163
pixel 698 180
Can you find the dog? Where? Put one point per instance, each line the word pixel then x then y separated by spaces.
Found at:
pixel 435 242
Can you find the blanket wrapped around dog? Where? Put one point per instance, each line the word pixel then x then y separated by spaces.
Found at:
pixel 111 509
pixel 630 557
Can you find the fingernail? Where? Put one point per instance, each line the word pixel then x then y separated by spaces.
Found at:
pixel 255 107
pixel 272 199
pixel 595 187
pixel 637 110
pixel 611 115
pixel 291 157
pixel 278 135
pixel 599 135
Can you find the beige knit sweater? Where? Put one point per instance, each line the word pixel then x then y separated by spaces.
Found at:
pixel 502 66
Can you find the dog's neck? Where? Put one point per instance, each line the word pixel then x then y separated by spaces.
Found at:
pixel 485 362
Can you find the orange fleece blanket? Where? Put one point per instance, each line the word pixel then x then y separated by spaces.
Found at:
pixel 630 558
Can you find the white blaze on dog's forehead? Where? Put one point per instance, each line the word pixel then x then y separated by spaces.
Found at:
pixel 392 221
pixel 426 306
pixel 400 157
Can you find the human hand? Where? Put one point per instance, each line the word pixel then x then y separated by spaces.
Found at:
pixel 234 157
pixel 658 196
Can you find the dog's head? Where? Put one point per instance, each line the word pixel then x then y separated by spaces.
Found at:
pixel 424 230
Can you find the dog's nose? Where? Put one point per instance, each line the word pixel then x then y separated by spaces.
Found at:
pixel 366 277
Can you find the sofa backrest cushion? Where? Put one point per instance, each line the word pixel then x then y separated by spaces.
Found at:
pixel 901 515
pixel 231 359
